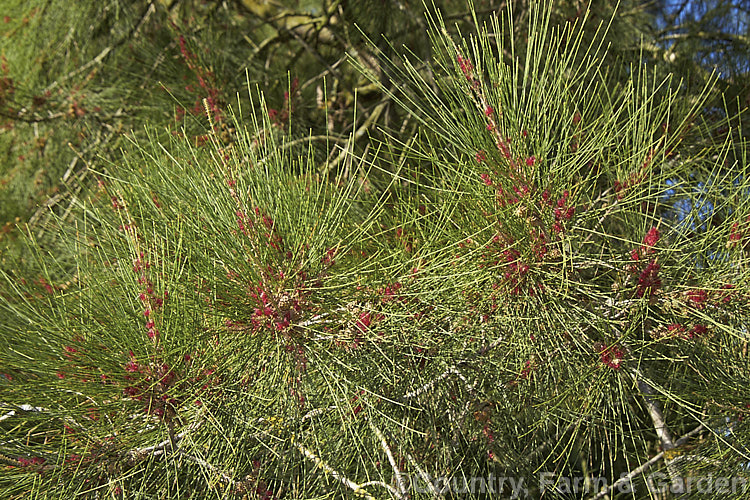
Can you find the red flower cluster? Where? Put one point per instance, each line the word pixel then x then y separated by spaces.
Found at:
pixel 329 258
pixel 634 178
pixel 280 117
pixel 357 409
pixel 364 321
pixel 151 387
pixel 740 234
pixel 154 385
pixel 246 223
pixel 648 277
pixel 206 81
pixel 390 292
pixel 649 241
pixel 406 240
pixel 466 67
pixel 676 330
pixel 515 270
pixel 516 267
pixel 7 88
pixel 276 314
pixel 32 464
pixel 149 298
pixel 506 198
pixel 27 462
pixel 725 295
pixel 527 369
pixel 652 237
pixel 697 298
pixel 610 356
pixel 563 211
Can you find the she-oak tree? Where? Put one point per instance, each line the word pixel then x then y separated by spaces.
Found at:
pixel 514 292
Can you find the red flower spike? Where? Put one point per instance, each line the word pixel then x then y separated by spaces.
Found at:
pixel 466 67
pixel 364 321
pixel 652 237
pixel 649 280
pixel 697 298
pixel 610 356
pixel 699 330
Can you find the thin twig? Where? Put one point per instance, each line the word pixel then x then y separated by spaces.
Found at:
pixel 23 407
pixel 226 477
pixel 662 431
pixel 422 474
pixel 316 412
pixel 630 475
pixel 167 444
pixel 358 489
pixel 453 370
pixel 391 460
pixel 107 50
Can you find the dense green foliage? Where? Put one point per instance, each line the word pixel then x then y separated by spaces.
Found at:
pixel 264 252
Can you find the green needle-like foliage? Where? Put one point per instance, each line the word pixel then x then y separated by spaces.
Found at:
pixel 538 290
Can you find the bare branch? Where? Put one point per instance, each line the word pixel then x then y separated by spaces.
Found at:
pixel 358 489
pixel 630 475
pixel 391 460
